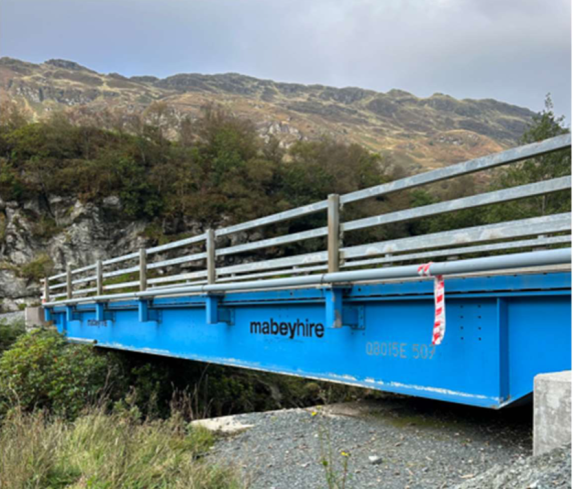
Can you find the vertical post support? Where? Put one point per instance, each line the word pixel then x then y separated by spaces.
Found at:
pixel 99 277
pixel 212 309
pixel 216 313
pixel 143 315
pixel 504 343
pixel 70 316
pixel 143 281
pixel 46 290
pixel 211 256
pixel 48 314
pixel 68 282
pixel 333 233
pixel 334 309
pixel 99 311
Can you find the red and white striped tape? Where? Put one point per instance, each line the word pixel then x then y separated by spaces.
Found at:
pixel 439 302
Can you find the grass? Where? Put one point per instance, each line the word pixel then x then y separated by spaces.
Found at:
pixel 334 462
pixel 41 266
pixel 106 451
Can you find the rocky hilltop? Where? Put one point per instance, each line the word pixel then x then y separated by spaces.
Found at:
pixel 417 133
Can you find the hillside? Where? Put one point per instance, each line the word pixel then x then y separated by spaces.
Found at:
pixel 125 169
pixel 416 133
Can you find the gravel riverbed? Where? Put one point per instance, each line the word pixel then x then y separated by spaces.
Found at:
pixel 397 442
pixel 546 471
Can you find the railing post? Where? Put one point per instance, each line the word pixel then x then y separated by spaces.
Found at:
pixel 540 248
pixel 333 233
pixel 46 290
pixel 99 282
pixel 68 281
pixel 143 281
pixel 211 256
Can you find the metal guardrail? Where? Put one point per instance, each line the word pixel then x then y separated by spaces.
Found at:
pixel 91 281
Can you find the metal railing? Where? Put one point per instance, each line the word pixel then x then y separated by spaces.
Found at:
pixel 93 282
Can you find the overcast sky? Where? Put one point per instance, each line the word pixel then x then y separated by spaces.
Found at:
pixel 511 50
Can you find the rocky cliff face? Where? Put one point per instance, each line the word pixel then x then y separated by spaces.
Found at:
pixel 79 234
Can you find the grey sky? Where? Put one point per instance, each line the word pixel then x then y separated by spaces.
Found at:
pixel 511 50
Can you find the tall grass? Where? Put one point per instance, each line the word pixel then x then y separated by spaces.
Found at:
pixel 106 451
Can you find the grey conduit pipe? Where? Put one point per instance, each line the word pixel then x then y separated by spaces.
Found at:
pixel 474 265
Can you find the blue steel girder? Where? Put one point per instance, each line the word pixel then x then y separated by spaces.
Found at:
pixel 501 331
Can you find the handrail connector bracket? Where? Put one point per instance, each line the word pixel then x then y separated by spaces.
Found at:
pixel 72 313
pixel 215 312
pixel 147 314
pixel 103 313
pixel 48 314
pixel 339 314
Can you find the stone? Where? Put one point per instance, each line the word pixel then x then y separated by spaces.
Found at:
pixel 374 459
pixel 112 201
pixel 552 411
pixel 227 425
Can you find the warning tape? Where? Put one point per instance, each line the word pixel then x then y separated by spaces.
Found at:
pixel 439 303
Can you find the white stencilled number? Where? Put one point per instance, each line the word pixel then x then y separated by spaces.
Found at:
pixel 420 351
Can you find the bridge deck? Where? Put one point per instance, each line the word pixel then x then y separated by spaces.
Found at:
pixel 501 331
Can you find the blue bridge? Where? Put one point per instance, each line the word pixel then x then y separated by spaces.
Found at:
pixel 361 315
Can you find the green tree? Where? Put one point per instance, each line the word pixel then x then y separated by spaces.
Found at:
pixel 544 125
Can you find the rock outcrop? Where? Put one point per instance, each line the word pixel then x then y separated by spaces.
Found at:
pixel 39 239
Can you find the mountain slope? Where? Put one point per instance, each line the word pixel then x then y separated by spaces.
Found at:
pixel 417 133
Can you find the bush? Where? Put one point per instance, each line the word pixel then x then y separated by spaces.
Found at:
pixel 10 332
pixel 101 451
pixel 42 370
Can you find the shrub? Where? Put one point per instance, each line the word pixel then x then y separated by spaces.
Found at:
pixel 43 370
pixel 10 332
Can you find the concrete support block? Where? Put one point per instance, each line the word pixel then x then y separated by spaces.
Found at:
pixel 552 411
pixel 34 316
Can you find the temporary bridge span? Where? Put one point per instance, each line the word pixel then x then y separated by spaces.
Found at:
pixel 497 296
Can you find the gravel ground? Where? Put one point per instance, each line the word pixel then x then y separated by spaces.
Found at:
pixel 12 316
pixel 550 470
pixel 413 443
